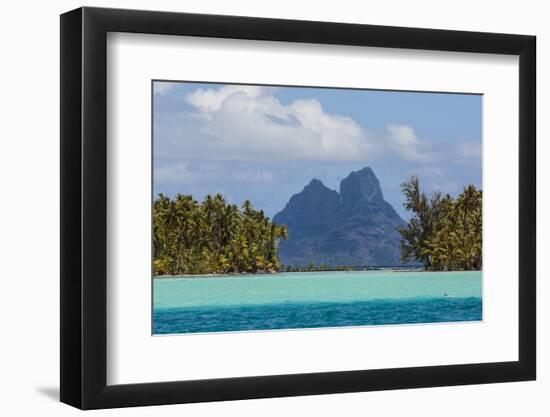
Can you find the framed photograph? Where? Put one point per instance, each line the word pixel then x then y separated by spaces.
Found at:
pixel 257 208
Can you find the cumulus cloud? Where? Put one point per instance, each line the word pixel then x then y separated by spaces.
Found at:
pixel 403 140
pixel 211 100
pixel 247 122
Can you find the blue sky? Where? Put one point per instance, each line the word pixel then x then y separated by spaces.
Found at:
pixel 266 143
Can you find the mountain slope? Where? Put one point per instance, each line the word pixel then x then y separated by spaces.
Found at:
pixel 354 227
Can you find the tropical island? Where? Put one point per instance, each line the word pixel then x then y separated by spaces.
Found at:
pixel 264 218
pixel 319 230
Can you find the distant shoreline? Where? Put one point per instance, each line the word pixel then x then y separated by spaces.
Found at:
pixel 244 274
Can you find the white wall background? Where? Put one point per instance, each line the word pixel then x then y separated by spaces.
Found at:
pixel 29 225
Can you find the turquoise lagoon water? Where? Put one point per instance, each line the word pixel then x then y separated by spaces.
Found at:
pixel 313 299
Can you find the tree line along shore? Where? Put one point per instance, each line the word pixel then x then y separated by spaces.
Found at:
pixel 215 237
pixel 444 233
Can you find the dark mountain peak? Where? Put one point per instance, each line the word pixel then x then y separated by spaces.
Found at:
pixel 360 186
pixel 312 193
pixel 313 209
pixel 367 171
pixel 315 191
pixel 316 184
pixel 353 227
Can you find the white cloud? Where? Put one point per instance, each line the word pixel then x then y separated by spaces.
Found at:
pixel 211 100
pixel 403 140
pixel 246 122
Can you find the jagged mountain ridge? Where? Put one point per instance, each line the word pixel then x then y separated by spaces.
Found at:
pixel 354 227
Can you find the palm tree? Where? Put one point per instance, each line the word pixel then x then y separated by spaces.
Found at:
pixel 443 233
pixel 212 236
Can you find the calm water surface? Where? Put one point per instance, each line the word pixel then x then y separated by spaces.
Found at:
pixel 314 299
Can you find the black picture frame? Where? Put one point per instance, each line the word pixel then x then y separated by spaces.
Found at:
pixel 84 207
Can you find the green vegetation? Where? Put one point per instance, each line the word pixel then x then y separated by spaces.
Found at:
pixel 310 267
pixel 443 233
pixel 213 237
